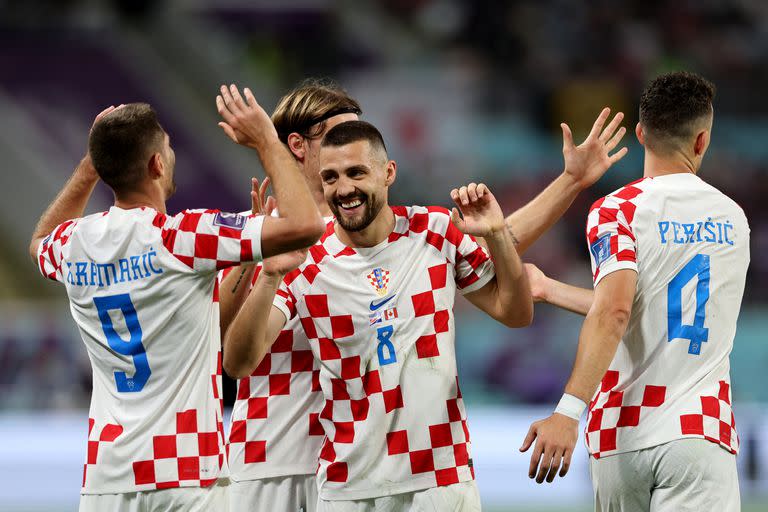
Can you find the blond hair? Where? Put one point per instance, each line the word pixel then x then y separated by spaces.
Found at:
pixel 305 109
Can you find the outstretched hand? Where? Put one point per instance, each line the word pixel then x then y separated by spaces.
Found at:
pixel 555 440
pixel 587 162
pixel 481 214
pixel 245 122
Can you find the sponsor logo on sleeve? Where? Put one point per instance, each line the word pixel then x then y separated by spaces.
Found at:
pixel 601 249
pixel 229 220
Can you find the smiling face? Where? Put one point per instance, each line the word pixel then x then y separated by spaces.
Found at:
pixel 355 178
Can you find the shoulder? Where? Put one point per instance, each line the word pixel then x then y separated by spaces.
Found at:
pixel 621 204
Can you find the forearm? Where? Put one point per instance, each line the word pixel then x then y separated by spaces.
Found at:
pixel 572 298
pixel 233 291
pixel 291 192
pixel 70 203
pixel 598 341
pixel 514 301
pixel 528 223
pixel 245 342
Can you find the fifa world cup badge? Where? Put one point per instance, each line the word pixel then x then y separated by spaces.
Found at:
pixel 379 279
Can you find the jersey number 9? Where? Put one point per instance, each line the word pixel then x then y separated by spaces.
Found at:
pixel 133 347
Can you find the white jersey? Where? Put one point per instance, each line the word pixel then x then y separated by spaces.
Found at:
pixel 142 290
pixel 275 429
pixel 689 244
pixel 380 323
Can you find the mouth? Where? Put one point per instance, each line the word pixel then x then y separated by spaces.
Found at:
pixel 350 206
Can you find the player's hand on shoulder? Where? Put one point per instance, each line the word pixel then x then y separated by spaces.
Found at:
pixel 555 438
pixel 245 122
pixel 587 162
pixel 538 282
pixel 480 215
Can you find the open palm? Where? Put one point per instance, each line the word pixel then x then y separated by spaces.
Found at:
pixel 587 162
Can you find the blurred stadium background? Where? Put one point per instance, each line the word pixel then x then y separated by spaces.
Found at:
pixel 462 90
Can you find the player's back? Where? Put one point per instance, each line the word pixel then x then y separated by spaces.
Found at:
pixel 670 377
pixel 142 291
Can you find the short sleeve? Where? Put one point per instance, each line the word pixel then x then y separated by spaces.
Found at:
pixel 285 300
pixel 612 243
pixel 474 267
pixel 50 257
pixel 211 240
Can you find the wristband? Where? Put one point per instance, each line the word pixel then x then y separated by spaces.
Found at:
pixel 571 406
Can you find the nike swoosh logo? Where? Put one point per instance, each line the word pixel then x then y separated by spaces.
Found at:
pixel 375 305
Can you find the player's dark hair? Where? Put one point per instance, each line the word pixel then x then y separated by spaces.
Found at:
pixel 122 143
pixel 353 131
pixel 305 109
pixel 671 106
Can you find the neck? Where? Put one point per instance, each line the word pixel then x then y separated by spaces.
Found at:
pixel 661 165
pixel 138 199
pixel 376 232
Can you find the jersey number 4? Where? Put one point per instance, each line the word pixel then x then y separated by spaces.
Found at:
pixel 133 347
pixel 697 334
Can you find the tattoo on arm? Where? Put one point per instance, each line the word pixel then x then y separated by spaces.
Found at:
pixel 512 234
pixel 237 284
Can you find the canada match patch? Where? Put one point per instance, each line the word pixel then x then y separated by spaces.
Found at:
pixel 601 249
pixel 229 220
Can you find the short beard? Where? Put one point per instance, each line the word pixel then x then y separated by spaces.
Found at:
pixel 372 209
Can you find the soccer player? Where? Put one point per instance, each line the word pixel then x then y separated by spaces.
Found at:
pixel 274 436
pixel 669 259
pixel 393 415
pixel 141 285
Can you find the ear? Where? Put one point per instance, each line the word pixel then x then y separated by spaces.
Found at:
pixel 701 143
pixel 297 146
pixel 155 166
pixel 391 173
pixel 639 133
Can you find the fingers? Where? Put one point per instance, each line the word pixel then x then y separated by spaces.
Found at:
pixel 567 136
pixel 229 131
pixel 545 464
pixel 263 190
pixel 469 194
pixel 249 97
pixel 538 449
pixel 599 122
pixel 615 139
pixel 529 438
pixel 256 206
pixel 618 155
pixel 556 460
pixel 566 462
pixel 270 205
pixel 236 97
pixel 223 110
pixel 612 126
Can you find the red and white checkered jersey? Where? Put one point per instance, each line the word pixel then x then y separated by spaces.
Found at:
pixel 380 322
pixel 275 429
pixel 689 244
pixel 142 290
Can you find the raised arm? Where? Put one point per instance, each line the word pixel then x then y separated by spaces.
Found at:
pixel 565 296
pixel 299 224
pixel 600 335
pixel 71 201
pixel 584 165
pixel 507 297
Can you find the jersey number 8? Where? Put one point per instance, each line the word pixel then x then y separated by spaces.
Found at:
pixel 133 347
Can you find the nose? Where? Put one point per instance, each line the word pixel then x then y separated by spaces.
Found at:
pixel 345 187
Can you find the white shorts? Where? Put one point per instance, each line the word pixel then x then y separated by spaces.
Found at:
pixel 295 493
pixel 684 475
pixel 181 499
pixel 461 497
